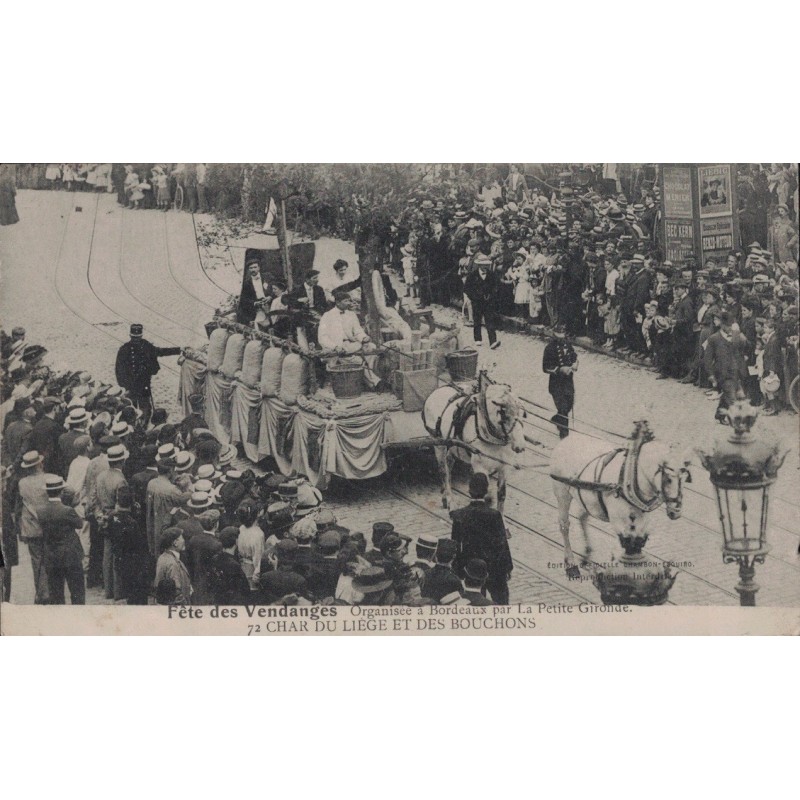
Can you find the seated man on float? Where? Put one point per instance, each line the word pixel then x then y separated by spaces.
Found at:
pixel 340 330
pixel 255 299
pixel 310 302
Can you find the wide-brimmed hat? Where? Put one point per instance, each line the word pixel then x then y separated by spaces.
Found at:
pixel 31 459
pixel 370 580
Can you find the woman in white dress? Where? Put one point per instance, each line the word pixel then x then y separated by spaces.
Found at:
pixel 53 175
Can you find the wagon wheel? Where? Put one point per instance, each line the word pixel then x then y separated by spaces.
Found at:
pixel 794 393
pixel 177 202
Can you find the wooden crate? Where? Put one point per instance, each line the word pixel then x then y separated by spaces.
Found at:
pixel 414 386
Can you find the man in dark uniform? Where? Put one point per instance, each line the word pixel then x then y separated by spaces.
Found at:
pixel 479 533
pixel 137 363
pixel 560 362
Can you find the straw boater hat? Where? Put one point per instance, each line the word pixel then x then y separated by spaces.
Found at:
pixel 199 501
pixel 166 453
pixel 203 486
pixel 208 472
pixel 117 453
pixel 78 416
pixel 226 455
pixel 184 461
pixel 231 475
pixel 121 429
pixel 31 459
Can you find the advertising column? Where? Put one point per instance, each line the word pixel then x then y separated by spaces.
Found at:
pixel 716 190
pixel 678 212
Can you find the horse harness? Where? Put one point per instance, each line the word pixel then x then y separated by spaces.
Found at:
pixel 627 485
pixel 467 406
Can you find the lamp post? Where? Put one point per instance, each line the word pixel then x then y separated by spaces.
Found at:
pixel 742 469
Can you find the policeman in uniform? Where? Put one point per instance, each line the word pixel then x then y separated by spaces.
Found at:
pixel 560 362
pixel 137 363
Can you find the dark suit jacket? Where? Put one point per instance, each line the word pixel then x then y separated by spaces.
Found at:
pixel 724 359
pixel 319 302
pixel 66 449
pixel 482 290
pixel 44 438
pixel 479 532
pixel 229 587
pixel 440 582
pixel 59 523
pixel 684 316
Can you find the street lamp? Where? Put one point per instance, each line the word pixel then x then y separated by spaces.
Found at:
pixel 742 469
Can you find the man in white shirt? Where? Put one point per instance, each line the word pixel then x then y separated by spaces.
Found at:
pixel 340 330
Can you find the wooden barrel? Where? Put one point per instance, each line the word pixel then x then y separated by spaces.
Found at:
pixel 347 380
pixel 462 364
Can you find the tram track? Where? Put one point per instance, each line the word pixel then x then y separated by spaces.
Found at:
pixel 569 590
pixel 690 489
pixel 66 303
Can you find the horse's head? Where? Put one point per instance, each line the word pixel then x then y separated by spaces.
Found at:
pixel 673 469
pixel 505 414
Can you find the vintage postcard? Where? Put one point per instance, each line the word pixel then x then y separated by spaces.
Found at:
pixel 399 399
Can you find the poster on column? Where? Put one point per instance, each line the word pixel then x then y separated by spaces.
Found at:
pixel 716 238
pixel 715 190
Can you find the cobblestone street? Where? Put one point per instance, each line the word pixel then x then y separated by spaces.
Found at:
pixel 76 279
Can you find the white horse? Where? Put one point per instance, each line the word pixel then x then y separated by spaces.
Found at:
pixel 618 485
pixel 488 422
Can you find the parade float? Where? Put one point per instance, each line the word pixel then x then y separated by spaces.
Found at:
pixel 284 398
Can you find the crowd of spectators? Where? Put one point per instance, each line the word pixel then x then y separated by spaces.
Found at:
pixel 590 257
pixel 136 185
pixel 155 511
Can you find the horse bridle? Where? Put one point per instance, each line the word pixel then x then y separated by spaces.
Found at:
pixel 663 469
pixel 503 417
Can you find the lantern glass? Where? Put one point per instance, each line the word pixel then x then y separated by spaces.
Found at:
pixel 743 514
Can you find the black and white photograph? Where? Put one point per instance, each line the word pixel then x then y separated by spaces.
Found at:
pixel 398 397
